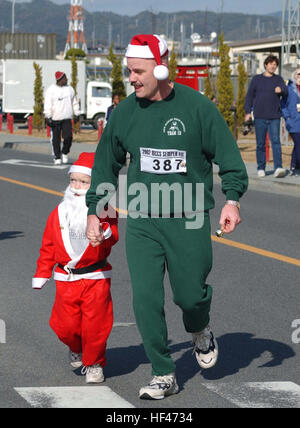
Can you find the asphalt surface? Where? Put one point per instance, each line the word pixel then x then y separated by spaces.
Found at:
pixel 256 298
pixel 286 185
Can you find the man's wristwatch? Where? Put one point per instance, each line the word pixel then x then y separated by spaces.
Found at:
pixel 234 203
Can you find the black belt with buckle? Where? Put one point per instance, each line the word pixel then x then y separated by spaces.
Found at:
pixel 87 269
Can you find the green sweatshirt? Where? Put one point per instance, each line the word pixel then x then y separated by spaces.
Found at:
pixel 173 141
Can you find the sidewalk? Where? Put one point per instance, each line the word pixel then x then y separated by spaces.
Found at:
pixel 286 185
pixel 31 144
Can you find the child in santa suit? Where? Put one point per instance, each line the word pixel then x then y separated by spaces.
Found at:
pixel 82 315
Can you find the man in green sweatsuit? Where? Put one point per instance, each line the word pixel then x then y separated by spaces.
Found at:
pixel 173 135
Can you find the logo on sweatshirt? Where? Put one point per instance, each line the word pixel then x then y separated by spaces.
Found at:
pixel 174 127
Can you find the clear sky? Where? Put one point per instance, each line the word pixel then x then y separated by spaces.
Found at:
pixel 133 7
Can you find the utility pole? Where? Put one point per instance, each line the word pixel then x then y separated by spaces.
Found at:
pixel 13 16
pixel 220 21
pixel 182 33
pixel 109 34
pixel 205 33
pixel 153 19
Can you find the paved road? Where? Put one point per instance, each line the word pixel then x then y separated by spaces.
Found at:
pixel 254 313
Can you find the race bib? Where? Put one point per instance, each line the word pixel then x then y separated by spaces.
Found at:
pixel 158 161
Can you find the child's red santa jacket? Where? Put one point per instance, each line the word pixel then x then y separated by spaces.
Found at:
pixel 57 249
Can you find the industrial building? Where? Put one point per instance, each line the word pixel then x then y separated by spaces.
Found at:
pixel 27 46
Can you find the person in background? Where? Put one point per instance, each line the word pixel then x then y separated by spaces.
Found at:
pixel 60 106
pixel 116 101
pixel 82 315
pixel 290 107
pixel 263 98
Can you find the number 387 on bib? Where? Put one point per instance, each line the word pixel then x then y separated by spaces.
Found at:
pixel 158 161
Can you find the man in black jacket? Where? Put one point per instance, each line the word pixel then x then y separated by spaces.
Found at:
pixel 263 97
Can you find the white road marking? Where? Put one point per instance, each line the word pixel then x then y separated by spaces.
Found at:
pixel 73 397
pixel 259 394
pixel 2 331
pixel 35 164
pixel 123 324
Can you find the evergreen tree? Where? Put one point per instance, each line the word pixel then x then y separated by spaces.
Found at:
pixel 38 109
pixel 173 65
pixel 74 74
pixel 116 74
pixel 242 79
pixel 111 55
pixel 225 94
pixel 78 53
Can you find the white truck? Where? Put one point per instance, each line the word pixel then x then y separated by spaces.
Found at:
pixel 18 77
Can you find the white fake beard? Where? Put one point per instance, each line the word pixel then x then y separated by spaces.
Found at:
pixel 76 209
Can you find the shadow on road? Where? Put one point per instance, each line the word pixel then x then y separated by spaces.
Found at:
pixel 121 361
pixel 237 351
pixel 10 235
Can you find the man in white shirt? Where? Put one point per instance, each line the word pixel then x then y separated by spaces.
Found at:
pixel 59 107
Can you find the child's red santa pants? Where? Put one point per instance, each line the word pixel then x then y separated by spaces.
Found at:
pixel 82 317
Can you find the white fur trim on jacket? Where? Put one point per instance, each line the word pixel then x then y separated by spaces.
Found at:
pixel 39 283
pixel 107 233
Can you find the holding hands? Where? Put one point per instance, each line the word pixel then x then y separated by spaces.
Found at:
pixel 94 231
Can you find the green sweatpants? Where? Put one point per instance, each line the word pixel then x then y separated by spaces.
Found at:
pixel 153 244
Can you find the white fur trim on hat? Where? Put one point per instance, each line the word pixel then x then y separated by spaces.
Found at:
pixel 81 169
pixel 143 51
pixel 134 51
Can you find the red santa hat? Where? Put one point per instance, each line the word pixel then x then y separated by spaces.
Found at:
pixel 59 75
pixel 84 164
pixel 150 46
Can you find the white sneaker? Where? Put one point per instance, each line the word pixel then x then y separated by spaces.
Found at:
pixel 75 359
pixel 279 172
pixel 261 173
pixel 57 161
pixel 93 374
pixel 159 387
pixel 206 348
pixel 64 158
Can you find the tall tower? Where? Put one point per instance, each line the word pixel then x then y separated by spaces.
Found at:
pixel 290 30
pixel 76 37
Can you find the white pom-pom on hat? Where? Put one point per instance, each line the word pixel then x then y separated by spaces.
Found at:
pixel 161 72
pixel 150 46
